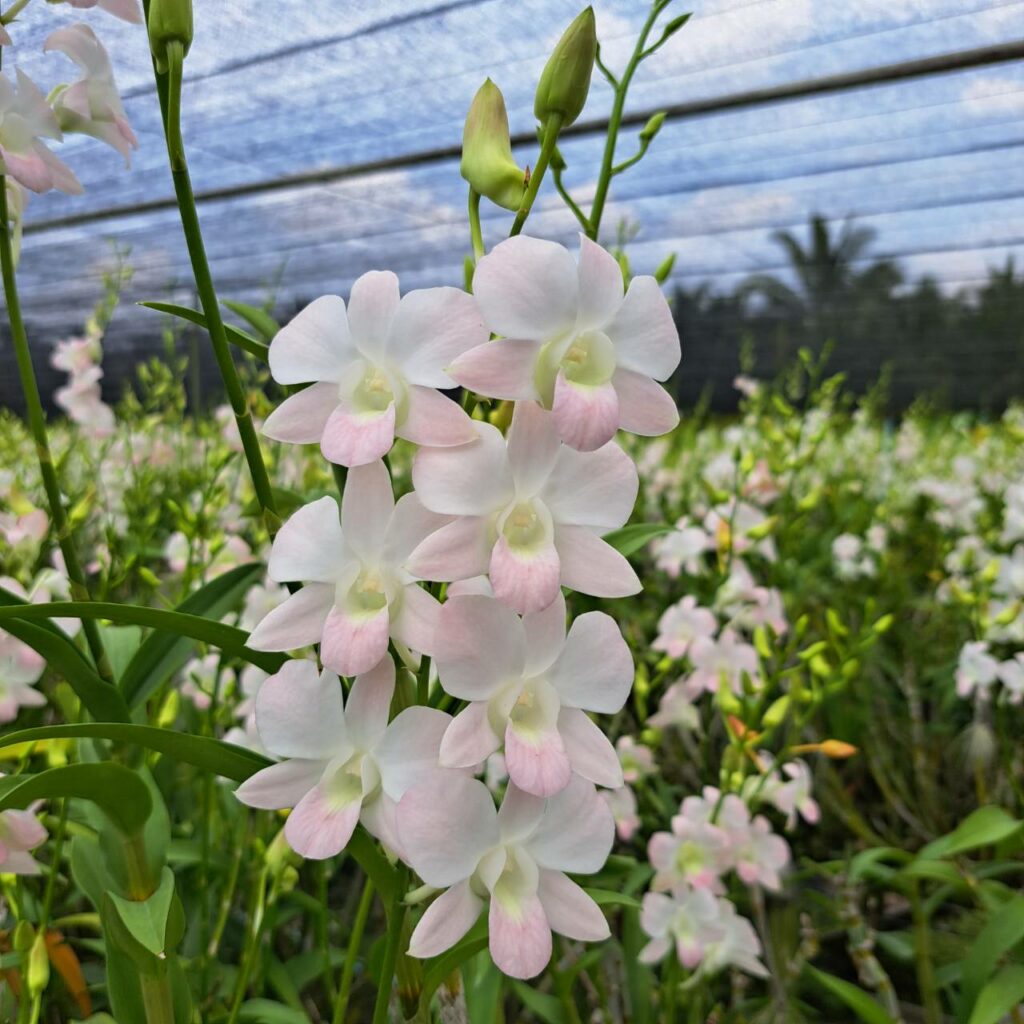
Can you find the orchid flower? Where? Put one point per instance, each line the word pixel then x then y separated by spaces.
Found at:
pixel 25 118
pixel 530 513
pixel 705 930
pixel 127 10
pixel 515 858
pixel 375 368
pixel 726 657
pixel 573 340
pixel 530 685
pixel 343 762
pixel 789 792
pixel 682 623
pixel 757 854
pixel 92 105
pixel 20 669
pixel 20 831
pixel 358 592
pixel 695 852
pixel 976 670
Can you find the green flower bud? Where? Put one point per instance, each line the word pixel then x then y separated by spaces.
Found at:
pixel 170 21
pixel 665 268
pixel 487 162
pixel 776 713
pixel 38 974
pixel 565 81
pixel 652 127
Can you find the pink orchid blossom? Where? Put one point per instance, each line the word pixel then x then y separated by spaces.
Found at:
pixel 20 669
pixel 515 859
pixel 636 760
pixel 695 852
pixel 574 340
pixel 622 803
pixel 530 685
pixel 681 624
pixel 530 513
pixel 358 592
pixel 756 853
pixel 789 791
pixel 20 832
pixel 375 368
pixel 92 105
pixel 343 762
pixel 25 118
pixel 677 709
pixel 127 10
pixel 705 931
pixel 976 670
pixel 726 657
pixel 684 548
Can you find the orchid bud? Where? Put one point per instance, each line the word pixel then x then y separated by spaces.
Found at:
pixel 487 162
pixel 170 21
pixel 652 127
pixel 38 974
pixel 776 713
pixel 565 81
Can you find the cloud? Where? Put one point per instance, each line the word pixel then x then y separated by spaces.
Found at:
pixel 994 95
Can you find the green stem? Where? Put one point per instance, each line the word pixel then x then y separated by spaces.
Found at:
pixel 169 90
pixel 551 129
pixel 13 11
pixel 615 123
pixel 556 177
pixel 37 426
pixel 354 941
pixel 51 881
pixel 475 232
pixel 923 959
pixel 387 969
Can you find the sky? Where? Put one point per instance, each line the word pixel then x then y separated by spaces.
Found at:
pixel 933 164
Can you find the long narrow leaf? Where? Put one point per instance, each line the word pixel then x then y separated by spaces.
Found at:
pixel 236 336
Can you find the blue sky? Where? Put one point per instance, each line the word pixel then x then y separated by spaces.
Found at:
pixel 934 164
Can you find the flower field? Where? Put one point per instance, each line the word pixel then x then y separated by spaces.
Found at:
pixel 449 672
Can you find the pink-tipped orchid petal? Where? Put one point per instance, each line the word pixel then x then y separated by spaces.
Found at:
pixel 500 369
pixel 480 646
pixel 319 827
pixel 369 704
pixel 309 545
pixel 537 762
pixel 601 286
pixel 519 936
pixel 301 418
pixel 446 826
pixel 354 642
pixel 527 288
pixel 569 910
pixel 355 438
pixel 590 752
pixel 469 740
pixel 595 669
pixel 586 415
pixel 432 327
pixel 281 785
pixel 524 579
pixel 445 921
pixel 645 407
pixel 592 566
pixel 297 622
pixel 469 480
pixel 314 345
pixel 457 551
pixel 299 713
pixel 434 421
pixel 372 306
pixel 366 508
pixel 643 331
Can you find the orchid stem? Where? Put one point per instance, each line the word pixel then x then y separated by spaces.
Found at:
pixel 169 90
pixel 354 942
pixel 396 918
pixel 552 127
pixel 37 426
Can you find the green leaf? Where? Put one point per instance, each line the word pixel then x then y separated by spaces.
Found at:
pixel 203 752
pixel 630 539
pixel 363 848
pixel 263 1011
pixel 548 1008
pixel 438 969
pixel 258 319
pixel 237 337
pixel 610 898
pixel 117 790
pixel 121 643
pixel 866 1008
pixel 999 996
pixel 1002 932
pixel 162 654
pixel 146 920
pixel 984 827
pixel 100 698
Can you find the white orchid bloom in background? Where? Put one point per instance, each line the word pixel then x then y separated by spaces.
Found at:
pixel 127 10
pixel 755 851
pixel 530 513
pixel 344 762
pixel 92 105
pixel 790 791
pixel 20 669
pixel 682 623
pixel 530 685
pixel 725 657
pixel 358 592
pixel 705 931
pixel 573 340
pixel 375 366
pixel 516 858
pixel 25 118
pixel 976 670
pixel 20 831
